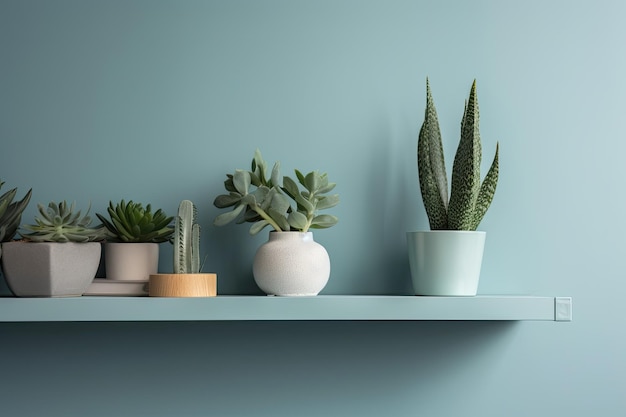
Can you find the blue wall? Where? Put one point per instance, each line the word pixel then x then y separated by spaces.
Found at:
pixel 156 101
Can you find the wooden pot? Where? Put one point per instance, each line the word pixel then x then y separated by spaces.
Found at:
pixel 183 285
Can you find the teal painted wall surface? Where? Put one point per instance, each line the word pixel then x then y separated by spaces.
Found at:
pixel 156 101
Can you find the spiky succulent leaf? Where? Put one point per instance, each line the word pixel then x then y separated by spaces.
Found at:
pixel 431 167
pixel 132 223
pixel 487 190
pixel 11 212
pixel 60 223
pixel 466 169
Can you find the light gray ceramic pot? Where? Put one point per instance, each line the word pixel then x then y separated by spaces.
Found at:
pixel 50 269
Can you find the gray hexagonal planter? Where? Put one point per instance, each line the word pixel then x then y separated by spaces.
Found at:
pixel 50 269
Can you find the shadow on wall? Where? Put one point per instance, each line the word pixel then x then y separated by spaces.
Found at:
pixel 241 368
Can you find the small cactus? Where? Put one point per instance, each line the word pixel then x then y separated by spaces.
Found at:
pixel 59 223
pixel 469 199
pixel 186 240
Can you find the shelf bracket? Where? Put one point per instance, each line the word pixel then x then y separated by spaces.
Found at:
pixel 563 309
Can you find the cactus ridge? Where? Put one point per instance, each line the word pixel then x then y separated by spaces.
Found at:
pixel 186 240
pixel 469 198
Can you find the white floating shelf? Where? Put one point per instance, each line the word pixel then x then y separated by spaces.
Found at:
pixel 253 308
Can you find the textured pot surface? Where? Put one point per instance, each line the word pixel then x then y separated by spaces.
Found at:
pixel 445 262
pixel 50 269
pixel 131 261
pixel 291 264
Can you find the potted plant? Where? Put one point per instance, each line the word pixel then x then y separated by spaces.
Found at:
pixel 58 258
pixel 291 262
pixel 131 251
pixel 11 213
pixel 187 280
pixel 447 259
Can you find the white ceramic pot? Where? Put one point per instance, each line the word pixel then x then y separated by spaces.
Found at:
pixel 131 261
pixel 291 264
pixel 445 262
pixel 50 269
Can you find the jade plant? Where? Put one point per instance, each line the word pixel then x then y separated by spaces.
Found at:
pixel 61 223
pixel 263 201
pixel 469 198
pixel 132 223
pixel 11 213
pixel 186 240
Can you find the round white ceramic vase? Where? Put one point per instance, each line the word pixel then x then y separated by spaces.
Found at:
pixel 445 262
pixel 291 264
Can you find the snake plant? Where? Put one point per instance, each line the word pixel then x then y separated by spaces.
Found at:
pixel 11 213
pixel 469 198
pixel 61 223
pixel 264 202
pixel 132 223
pixel 186 240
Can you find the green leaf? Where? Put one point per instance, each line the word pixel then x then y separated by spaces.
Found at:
pixel 290 187
pixel 466 169
pixel 487 190
pixel 241 181
pixel 228 217
pixel 431 167
pixel 258 226
pixel 328 201
pixel 312 181
pixel 324 221
pixel 297 220
pixel 280 204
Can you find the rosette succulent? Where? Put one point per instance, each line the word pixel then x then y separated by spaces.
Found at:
pixel 265 202
pixel 60 223
pixel 132 223
pixel 469 198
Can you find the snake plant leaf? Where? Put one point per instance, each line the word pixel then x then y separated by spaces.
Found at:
pixel 431 166
pixel 297 220
pixel 487 190
pixel 324 221
pixel 466 169
pixel 229 216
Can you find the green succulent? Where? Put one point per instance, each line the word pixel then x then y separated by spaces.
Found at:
pixel 131 223
pixel 264 202
pixel 469 198
pixel 59 223
pixel 11 213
